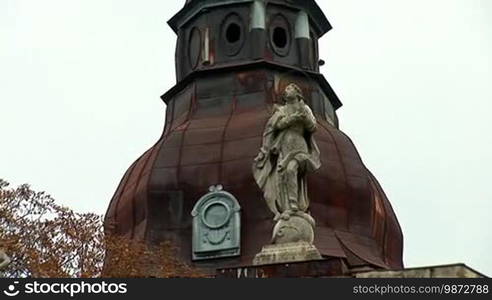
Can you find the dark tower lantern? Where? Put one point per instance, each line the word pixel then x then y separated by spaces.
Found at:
pixel 228 34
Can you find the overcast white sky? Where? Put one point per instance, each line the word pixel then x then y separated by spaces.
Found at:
pixel 80 82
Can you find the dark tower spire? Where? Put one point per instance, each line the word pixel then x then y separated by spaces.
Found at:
pixel 283 34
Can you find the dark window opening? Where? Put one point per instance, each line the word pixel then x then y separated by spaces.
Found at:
pixel 233 33
pixel 280 37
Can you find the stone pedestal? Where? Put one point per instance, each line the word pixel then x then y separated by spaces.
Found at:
pixel 287 253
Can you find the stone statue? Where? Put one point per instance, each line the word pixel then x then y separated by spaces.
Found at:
pixel 287 155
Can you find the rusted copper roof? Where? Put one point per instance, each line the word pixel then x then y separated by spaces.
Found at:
pixel 215 118
pixel 211 137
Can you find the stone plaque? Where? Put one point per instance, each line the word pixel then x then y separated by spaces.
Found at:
pixel 216 225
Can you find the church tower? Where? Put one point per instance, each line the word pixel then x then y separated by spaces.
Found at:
pixel 234 58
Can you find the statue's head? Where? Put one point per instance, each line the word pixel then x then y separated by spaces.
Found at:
pixel 292 93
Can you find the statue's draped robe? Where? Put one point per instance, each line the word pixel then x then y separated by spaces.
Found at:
pixel 265 168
